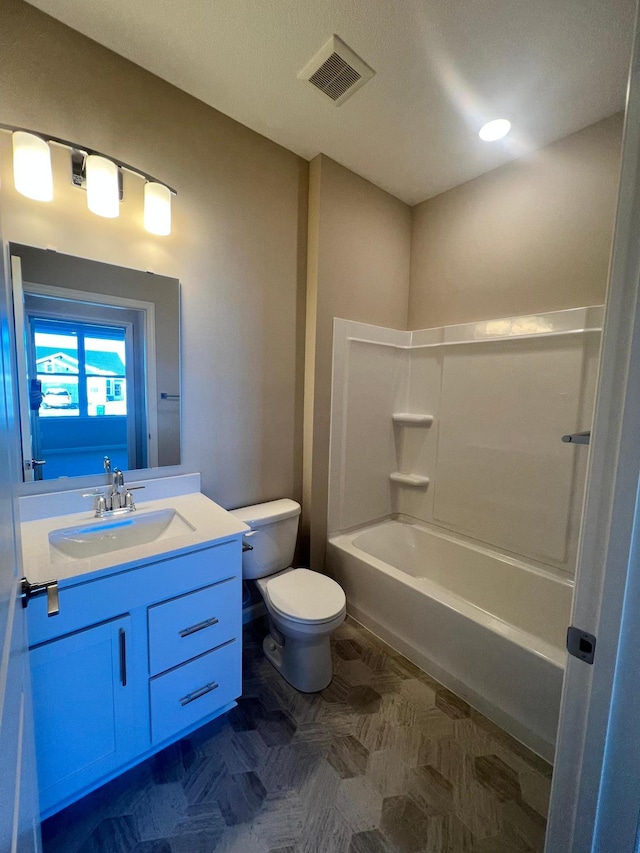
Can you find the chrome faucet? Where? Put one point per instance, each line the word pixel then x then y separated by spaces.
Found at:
pixel 115 498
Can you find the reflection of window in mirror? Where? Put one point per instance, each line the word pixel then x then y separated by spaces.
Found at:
pixel 92 354
pixel 84 368
pixel 99 371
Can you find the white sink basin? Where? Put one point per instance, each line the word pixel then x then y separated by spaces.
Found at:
pixel 113 534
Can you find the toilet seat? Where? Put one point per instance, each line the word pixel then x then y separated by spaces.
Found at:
pixel 301 595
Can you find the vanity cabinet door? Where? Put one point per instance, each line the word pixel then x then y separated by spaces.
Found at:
pixel 83 707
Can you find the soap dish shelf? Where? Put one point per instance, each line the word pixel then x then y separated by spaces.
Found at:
pixel 412 419
pixel 415 480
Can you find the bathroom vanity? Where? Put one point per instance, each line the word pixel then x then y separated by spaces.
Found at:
pixel 146 645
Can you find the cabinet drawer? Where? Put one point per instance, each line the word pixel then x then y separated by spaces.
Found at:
pixel 194 690
pixel 192 624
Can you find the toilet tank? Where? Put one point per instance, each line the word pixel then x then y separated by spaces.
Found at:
pixel 274 530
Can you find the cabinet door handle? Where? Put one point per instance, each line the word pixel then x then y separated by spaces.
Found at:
pixel 201 691
pixel 186 632
pixel 122 639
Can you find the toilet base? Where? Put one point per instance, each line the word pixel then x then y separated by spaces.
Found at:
pixel 305 664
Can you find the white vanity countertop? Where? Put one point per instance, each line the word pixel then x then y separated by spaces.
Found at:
pixel 210 522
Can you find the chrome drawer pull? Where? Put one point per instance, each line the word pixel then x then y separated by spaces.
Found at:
pixel 202 691
pixel 206 624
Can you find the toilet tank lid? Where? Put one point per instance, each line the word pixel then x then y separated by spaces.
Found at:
pixel 267 513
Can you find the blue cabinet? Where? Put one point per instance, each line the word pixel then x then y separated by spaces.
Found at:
pixel 83 708
pixel 135 659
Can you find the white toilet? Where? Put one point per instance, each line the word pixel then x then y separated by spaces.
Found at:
pixel 304 607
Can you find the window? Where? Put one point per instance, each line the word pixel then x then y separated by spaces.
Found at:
pixel 82 368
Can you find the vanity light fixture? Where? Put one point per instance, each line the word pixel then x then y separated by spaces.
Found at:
pixel 495 129
pixel 32 174
pixel 101 177
pixel 157 208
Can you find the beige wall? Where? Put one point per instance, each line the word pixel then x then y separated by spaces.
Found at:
pixel 533 235
pixel 238 244
pixel 358 269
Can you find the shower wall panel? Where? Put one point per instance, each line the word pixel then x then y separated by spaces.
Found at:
pixel 491 465
pixel 370 376
pixel 503 474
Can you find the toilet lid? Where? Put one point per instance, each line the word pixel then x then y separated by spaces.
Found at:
pixel 306 596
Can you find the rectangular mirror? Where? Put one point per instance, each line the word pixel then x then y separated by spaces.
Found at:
pixel 98 354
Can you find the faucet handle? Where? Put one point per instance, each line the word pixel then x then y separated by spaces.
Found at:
pixel 99 502
pixel 128 501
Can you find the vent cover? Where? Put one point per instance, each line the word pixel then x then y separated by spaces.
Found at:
pixel 336 71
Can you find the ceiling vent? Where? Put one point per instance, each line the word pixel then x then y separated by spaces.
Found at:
pixel 336 71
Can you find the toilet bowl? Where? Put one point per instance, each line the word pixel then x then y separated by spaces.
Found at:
pixel 304 607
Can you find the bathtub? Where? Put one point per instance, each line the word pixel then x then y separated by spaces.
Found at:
pixel 487 626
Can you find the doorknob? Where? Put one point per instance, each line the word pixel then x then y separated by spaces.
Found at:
pixel 50 589
pixel 577 437
pixel 31 463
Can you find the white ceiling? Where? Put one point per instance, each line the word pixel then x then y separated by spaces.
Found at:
pixel 442 69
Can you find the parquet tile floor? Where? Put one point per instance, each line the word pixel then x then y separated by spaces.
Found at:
pixel 385 760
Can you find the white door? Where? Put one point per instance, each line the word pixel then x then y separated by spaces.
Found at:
pixel 596 788
pixel 19 826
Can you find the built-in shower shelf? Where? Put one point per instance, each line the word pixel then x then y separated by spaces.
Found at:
pixel 412 419
pixel 416 480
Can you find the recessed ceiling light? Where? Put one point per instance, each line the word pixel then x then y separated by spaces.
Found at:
pixel 496 129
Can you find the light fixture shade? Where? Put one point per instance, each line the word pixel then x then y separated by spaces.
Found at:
pixel 32 173
pixel 103 195
pixel 494 130
pixel 157 208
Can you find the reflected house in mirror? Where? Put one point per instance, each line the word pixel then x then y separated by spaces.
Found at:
pixel 101 343
pixel 106 393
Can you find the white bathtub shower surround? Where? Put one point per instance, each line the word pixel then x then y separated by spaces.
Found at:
pixel 454 506
pixel 461 427
pixel 489 627
pixel 368 386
